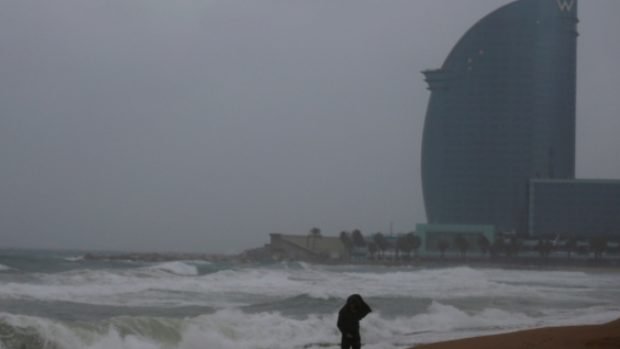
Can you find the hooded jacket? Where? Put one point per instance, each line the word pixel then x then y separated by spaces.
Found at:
pixel 350 315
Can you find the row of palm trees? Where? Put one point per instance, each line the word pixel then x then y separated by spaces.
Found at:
pixel 513 246
pixel 510 246
pixel 378 244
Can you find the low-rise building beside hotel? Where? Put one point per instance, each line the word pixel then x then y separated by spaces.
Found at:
pixel 581 208
pixel 306 247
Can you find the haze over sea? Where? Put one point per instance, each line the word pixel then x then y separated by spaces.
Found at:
pixel 51 299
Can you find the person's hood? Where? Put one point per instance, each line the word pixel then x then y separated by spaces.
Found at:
pixel 362 308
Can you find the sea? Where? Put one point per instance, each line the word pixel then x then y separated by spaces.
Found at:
pixel 51 299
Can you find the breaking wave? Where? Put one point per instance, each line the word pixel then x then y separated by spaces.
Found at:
pixel 181 284
pixel 222 330
pixel 234 329
pixel 74 258
pixel 192 304
pixel 177 268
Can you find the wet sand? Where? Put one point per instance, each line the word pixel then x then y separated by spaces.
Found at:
pixel 605 336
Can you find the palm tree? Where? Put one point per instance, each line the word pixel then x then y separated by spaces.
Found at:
pixel 315 233
pixel 372 249
pixel 462 244
pixel 514 247
pixel 498 246
pixel 443 245
pixel 483 244
pixel 544 248
pixel 571 246
pixel 403 244
pixel 358 238
pixel 599 246
pixel 347 242
pixel 416 242
pixel 408 242
pixel 381 242
pixel 391 245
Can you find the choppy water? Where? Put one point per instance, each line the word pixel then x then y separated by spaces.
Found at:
pixel 57 300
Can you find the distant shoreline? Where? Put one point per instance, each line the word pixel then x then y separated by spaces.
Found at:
pixel 158 257
pixel 611 264
pixel 511 263
pixel 430 262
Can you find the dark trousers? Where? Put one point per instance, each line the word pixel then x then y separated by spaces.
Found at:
pixel 351 342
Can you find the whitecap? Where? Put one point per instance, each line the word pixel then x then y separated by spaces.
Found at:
pixel 179 284
pixel 233 329
pixel 74 258
pixel 177 268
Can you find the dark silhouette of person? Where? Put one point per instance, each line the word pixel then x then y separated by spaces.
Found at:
pixel 349 321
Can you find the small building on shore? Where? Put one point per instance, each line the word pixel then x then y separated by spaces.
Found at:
pixel 306 247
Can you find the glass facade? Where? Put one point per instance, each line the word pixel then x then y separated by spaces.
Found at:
pixel 501 111
pixel 583 208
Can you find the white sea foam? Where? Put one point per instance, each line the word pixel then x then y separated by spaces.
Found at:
pixel 74 258
pixel 178 268
pixel 4 268
pixel 226 329
pixel 178 283
pixel 460 302
pixel 233 329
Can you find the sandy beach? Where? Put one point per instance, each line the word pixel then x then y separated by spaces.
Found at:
pixel 606 336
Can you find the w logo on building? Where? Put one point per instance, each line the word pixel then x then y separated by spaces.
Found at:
pixel 566 5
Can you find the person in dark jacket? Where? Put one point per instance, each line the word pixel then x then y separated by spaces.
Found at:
pixel 349 321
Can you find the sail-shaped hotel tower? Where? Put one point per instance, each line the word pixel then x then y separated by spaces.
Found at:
pixel 501 113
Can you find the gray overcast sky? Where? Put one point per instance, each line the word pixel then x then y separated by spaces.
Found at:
pixel 205 125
